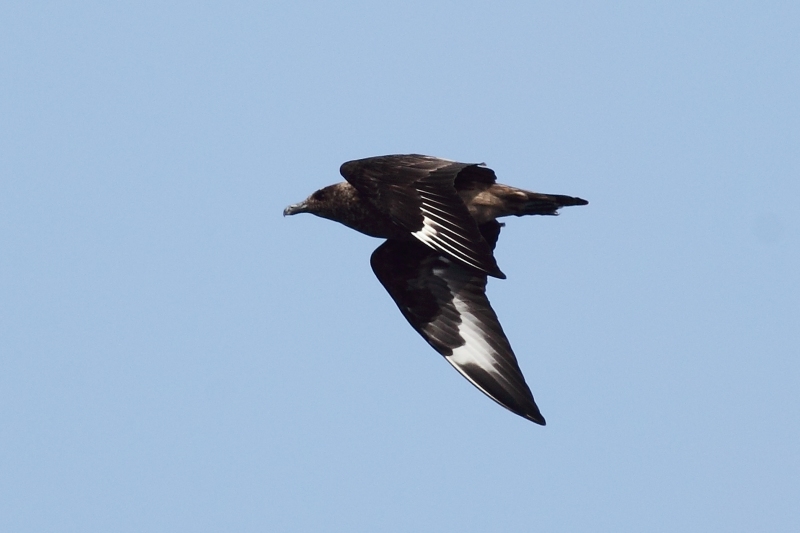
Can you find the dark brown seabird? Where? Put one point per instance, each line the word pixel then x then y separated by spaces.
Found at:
pixel 439 219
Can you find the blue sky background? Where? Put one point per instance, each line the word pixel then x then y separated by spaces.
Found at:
pixel 177 356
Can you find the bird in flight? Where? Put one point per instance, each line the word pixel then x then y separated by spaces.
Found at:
pixel 440 221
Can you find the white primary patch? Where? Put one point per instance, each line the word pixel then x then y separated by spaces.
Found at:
pixel 430 235
pixel 428 231
pixel 475 351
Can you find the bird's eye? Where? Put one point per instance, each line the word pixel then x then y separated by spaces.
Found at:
pixel 319 195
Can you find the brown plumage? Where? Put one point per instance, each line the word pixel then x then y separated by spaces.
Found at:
pixel 439 202
pixel 439 217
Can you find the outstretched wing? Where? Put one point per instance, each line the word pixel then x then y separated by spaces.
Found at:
pixel 418 192
pixel 446 303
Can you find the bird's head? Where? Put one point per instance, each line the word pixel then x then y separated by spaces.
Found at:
pixel 325 202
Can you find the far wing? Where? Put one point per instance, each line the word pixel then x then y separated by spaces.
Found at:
pixel 446 303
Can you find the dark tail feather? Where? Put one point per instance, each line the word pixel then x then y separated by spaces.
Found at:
pixel 547 204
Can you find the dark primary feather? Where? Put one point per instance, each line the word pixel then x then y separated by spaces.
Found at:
pixel 446 303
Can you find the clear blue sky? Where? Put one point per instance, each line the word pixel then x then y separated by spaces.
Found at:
pixel 177 356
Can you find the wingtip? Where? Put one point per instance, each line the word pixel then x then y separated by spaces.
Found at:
pixel 531 412
pixel 497 274
pixel 536 418
pixel 494 270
